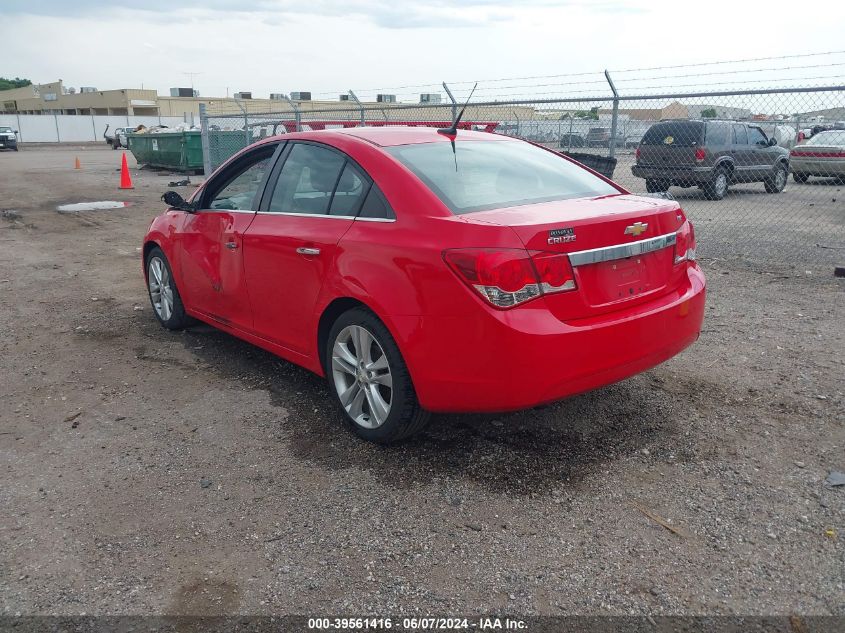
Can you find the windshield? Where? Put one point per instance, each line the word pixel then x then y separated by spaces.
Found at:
pixel 5 129
pixel 834 137
pixel 497 174
pixel 676 134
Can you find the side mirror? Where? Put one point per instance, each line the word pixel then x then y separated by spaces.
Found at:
pixel 175 201
pixel 773 142
pixel 16 132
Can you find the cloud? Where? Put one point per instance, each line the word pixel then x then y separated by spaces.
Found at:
pixel 383 13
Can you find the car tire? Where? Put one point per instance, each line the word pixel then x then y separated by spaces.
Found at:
pixel 717 188
pixel 365 371
pixel 800 178
pixel 653 185
pixel 777 181
pixel 164 295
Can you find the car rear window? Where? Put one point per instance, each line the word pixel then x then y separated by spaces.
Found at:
pixel 676 133
pixel 497 174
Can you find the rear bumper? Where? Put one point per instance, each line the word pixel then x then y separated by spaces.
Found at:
pixel 525 357
pixel 817 167
pixel 675 174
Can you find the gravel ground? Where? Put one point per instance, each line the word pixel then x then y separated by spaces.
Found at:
pixel 144 471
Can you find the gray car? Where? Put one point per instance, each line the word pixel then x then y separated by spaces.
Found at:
pixel 710 155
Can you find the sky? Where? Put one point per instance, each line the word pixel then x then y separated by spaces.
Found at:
pixel 514 49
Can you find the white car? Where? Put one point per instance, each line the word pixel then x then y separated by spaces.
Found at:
pixel 822 156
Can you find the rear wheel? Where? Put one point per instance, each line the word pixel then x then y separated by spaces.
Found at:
pixel 777 181
pixel 653 185
pixel 369 379
pixel 717 188
pixel 800 178
pixel 164 296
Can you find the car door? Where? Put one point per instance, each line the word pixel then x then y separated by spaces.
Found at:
pixel 211 239
pixel 311 200
pixel 760 149
pixel 743 154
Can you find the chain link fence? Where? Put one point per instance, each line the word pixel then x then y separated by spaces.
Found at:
pixel 761 173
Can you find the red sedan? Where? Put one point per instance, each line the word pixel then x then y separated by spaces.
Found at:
pixel 420 271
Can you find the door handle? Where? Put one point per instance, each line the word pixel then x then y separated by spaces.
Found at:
pixel 305 250
pixel 231 245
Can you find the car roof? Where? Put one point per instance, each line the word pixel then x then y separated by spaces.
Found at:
pixel 388 135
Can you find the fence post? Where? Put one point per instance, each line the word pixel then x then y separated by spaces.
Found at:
pixel 360 107
pixel 18 115
pixel 94 127
pixel 454 103
pixel 58 136
pixel 297 116
pixel 206 148
pixel 615 117
pixel 247 136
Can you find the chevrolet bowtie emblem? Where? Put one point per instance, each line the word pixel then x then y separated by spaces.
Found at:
pixel 637 228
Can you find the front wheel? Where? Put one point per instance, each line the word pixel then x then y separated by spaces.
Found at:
pixel 164 296
pixel 369 379
pixel 777 181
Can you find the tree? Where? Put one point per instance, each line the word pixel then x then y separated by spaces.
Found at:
pixel 17 82
pixel 709 113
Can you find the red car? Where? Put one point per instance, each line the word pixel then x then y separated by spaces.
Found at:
pixel 420 271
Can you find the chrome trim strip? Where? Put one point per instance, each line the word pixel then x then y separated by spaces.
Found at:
pixel 375 220
pixel 621 251
pixel 309 215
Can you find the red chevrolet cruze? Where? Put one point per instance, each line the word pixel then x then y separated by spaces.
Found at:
pixel 421 271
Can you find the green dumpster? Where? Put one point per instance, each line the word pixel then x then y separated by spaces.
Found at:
pixel 179 151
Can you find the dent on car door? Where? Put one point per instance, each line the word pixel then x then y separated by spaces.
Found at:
pixel 290 249
pixel 211 258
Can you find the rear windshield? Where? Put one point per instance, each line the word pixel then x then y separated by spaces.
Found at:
pixel 497 174
pixel 834 137
pixel 675 133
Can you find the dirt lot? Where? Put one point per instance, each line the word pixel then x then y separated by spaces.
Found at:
pixel 144 471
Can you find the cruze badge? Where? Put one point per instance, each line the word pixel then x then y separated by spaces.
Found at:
pixel 561 236
pixel 635 229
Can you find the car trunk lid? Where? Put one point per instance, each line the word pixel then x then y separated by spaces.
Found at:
pixel 621 247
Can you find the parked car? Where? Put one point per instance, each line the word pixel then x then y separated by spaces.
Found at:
pixel 822 156
pixel 600 137
pixel 571 140
pixel 420 271
pixel 633 141
pixel 8 138
pixel 120 137
pixel 710 155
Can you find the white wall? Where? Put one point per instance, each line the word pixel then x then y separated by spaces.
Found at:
pixel 69 128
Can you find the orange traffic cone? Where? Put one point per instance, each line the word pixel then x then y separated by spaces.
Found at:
pixel 125 179
pixel 77 164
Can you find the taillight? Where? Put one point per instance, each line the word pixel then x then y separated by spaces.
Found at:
pixel 637 154
pixel 700 154
pixel 685 244
pixel 508 277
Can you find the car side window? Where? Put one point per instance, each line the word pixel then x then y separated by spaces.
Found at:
pixel 717 134
pixel 756 136
pixel 307 180
pixel 740 135
pixel 350 191
pixel 376 206
pixel 239 185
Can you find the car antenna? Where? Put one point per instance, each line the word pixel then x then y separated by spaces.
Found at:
pixel 452 131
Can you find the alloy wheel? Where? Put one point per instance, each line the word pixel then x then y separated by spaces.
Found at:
pixel 362 376
pixel 721 184
pixel 780 179
pixel 161 290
